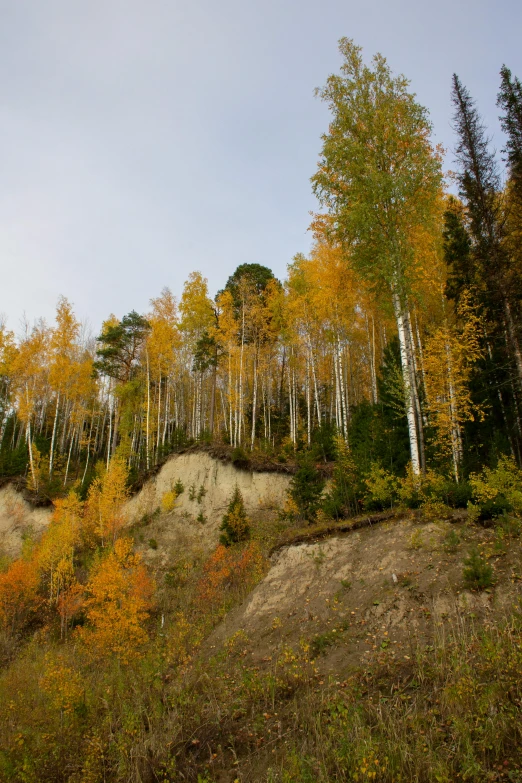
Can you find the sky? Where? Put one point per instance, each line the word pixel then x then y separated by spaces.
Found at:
pixel 141 140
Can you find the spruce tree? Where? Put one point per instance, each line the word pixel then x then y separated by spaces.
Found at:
pixel 480 188
pixel 510 101
pixel 457 252
pixel 478 177
pixel 235 522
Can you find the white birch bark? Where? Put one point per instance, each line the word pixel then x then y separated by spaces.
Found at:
pixel 408 390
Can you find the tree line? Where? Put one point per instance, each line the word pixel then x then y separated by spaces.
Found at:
pixel 399 332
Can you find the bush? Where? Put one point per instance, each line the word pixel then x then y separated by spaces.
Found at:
pixel 235 525
pixel 306 487
pixel 153 543
pixel 456 495
pixel 168 501
pixel 343 498
pixel 478 574
pixel 382 489
pixel 496 491
pixel 240 458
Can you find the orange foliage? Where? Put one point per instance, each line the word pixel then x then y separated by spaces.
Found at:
pixel 103 510
pixel 119 597
pixel 229 569
pixel 18 594
pixel 69 603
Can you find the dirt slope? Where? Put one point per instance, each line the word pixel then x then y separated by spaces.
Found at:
pixel 389 586
pixel 17 517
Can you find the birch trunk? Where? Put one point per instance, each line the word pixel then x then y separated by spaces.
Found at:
pixel 51 454
pixel 409 399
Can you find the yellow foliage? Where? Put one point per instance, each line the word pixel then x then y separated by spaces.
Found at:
pixel 107 494
pixel 119 596
pixel 62 684
pixel 168 501
pixel 505 480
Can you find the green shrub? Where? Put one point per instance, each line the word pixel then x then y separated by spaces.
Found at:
pixel 153 543
pixel 455 495
pixel 239 458
pixel 343 498
pixel 235 527
pixel 451 540
pixel 179 487
pixel 478 574
pixel 306 487
pixel 496 491
pixel 382 488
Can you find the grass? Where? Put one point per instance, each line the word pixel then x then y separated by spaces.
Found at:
pixel 449 711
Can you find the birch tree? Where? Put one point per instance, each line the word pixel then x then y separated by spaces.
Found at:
pixel 380 178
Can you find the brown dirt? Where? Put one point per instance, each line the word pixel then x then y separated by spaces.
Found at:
pixel 387 587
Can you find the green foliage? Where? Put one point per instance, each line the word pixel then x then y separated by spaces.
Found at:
pixel 382 489
pixel 477 573
pixel 119 346
pixel 234 526
pixel 323 441
pixel 179 487
pixel 306 487
pixel 496 491
pixel 153 543
pixel 343 498
pixel 254 276
pixel 322 641
pixel 239 457
pixel 451 540
pixel 379 432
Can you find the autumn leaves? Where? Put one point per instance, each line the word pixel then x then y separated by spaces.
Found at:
pixel 81 573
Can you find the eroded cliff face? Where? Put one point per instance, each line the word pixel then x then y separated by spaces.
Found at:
pixel 18 517
pixel 212 480
pixel 194 523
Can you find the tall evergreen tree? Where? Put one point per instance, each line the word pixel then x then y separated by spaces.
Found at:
pixel 510 101
pixel 480 188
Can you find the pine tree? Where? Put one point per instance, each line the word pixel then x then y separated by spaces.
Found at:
pixel 306 487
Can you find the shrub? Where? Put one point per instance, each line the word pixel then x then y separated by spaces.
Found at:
pixel 343 498
pixel 179 487
pixel 306 487
pixel 382 489
pixel 451 540
pixel 168 501
pixel 153 543
pixel 478 574
pixel 456 495
pixel 497 490
pixel 239 458
pixel 235 522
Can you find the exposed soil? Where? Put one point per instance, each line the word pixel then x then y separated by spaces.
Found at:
pixel 392 586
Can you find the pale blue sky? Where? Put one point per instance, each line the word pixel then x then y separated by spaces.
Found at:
pixel 141 140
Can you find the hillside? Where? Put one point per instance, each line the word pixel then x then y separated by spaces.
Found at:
pixel 359 654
